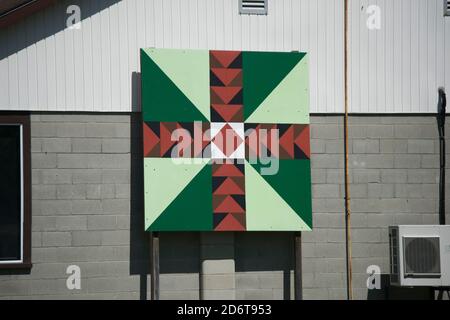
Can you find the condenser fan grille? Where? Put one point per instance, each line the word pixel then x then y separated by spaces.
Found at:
pixel 422 257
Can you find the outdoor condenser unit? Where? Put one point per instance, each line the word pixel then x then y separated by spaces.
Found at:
pixel 420 255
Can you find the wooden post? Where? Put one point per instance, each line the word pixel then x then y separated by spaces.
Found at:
pixel 154 247
pixel 298 266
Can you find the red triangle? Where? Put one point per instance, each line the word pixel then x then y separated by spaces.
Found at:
pixel 227 170
pixel 229 223
pixel 228 187
pixel 226 75
pixel 227 111
pixel 166 139
pixel 287 141
pixel 225 57
pixel 302 141
pixel 226 93
pixel 150 140
pixel 229 205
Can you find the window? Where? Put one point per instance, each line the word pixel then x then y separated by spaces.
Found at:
pixel 253 6
pixel 15 206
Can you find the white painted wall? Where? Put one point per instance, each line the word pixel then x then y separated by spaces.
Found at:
pixel 45 66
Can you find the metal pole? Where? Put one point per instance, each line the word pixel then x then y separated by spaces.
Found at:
pixel 154 247
pixel 298 266
pixel 347 191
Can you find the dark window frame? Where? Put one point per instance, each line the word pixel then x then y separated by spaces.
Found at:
pixel 24 121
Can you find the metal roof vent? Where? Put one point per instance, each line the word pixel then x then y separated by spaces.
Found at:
pixel 446 7
pixel 253 6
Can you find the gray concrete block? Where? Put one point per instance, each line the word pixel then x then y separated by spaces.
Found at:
pixel 69 223
pixel 180 282
pixel 423 176
pixel 179 295
pixel 326 161
pixel 93 191
pixel 52 207
pixel 86 145
pixel 71 130
pixel 39 129
pixel 86 238
pixel 115 145
pixel 56 239
pixel 108 130
pixel 43 192
pixel 42 223
pixel 317 146
pixel 72 161
pixel 89 207
pixel 334 176
pixel 116 176
pixel 104 222
pixel 87 176
pixel 380 131
pixel 36 239
pixel 421 146
pixel 115 237
pixel 57 145
pixel 55 176
pixel 380 190
pixel 325 191
pixel 71 192
pixel 429 161
pixel 218 266
pixel 407 161
pixel 365 175
pixel 422 205
pixel 371 161
pixel 394 175
pixel 366 146
pixel 318 176
pixel 116 206
pixel 366 235
pixel 122 191
pixel 246 280
pixel 325 131
pixel 43 160
pixel 393 146
pixel 36 145
pixel 394 205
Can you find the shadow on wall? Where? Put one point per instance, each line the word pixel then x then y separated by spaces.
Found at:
pixel 49 22
pixel 179 251
pixel 266 251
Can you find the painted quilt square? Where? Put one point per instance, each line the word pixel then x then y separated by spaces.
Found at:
pixel 226 140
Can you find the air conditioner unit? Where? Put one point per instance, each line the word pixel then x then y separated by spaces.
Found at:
pixel 420 255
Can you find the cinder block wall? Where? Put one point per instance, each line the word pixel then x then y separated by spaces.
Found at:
pixel 87 211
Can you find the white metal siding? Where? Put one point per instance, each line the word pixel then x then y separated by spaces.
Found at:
pixel 45 66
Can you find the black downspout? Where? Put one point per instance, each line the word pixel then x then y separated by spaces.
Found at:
pixel 442 103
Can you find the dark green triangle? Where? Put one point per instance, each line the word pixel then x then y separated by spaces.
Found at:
pixel 192 209
pixel 293 183
pixel 162 100
pixel 262 72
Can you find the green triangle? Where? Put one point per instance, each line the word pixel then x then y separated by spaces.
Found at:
pixel 164 179
pixel 265 209
pixel 262 72
pixel 192 209
pixel 289 101
pixel 162 100
pixel 293 183
pixel 188 70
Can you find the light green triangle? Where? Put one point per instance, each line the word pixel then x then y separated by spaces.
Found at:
pixel 189 71
pixel 289 101
pixel 265 209
pixel 164 179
